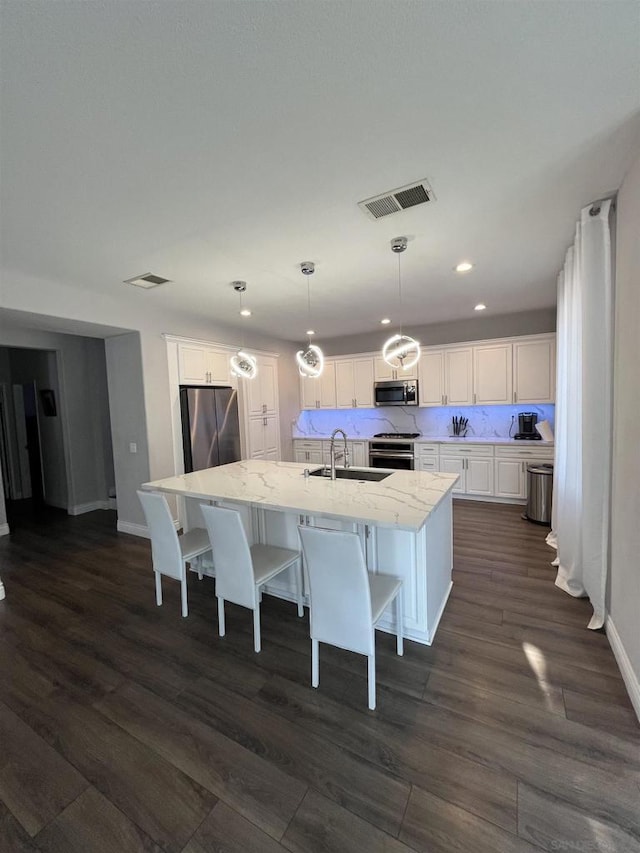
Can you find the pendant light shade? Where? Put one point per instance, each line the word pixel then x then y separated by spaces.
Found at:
pixel 310 360
pixel 401 351
pixel 243 364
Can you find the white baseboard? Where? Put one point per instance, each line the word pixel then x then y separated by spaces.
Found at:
pixel 111 503
pixel 133 529
pixel 4 530
pixel 92 506
pixel 629 677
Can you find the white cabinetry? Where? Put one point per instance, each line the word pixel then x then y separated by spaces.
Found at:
pixel 534 370
pixel 427 457
pixel 474 464
pixel 446 377
pixel 359 453
pixel 492 374
pixel 511 469
pixel 354 383
pixel 260 396
pixel 383 372
pixel 308 451
pixel 319 393
pixel 202 365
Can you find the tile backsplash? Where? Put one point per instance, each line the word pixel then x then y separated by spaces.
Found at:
pixel 484 421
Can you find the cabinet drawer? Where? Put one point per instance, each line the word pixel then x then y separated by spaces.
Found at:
pixel 428 463
pixel 466 450
pixel 307 445
pixel 427 449
pixel 511 452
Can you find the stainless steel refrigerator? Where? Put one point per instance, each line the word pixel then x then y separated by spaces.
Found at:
pixel 210 426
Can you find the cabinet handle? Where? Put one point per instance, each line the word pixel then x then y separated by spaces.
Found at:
pixel 515 397
pixel 446 399
pixel 264 421
pixel 317 404
pixel 474 399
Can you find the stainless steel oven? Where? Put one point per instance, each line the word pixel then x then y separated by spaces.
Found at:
pixel 394 452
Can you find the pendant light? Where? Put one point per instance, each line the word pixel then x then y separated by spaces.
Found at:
pixel 310 360
pixel 242 363
pixel 401 351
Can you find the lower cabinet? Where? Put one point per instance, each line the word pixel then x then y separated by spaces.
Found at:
pixel 510 466
pixel 318 452
pixel 474 465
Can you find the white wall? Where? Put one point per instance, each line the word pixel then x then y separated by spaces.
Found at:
pixel 4 528
pixel 477 328
pixel 624 605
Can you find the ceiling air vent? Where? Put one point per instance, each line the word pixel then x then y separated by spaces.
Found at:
pixel 396 200
pixel 147 280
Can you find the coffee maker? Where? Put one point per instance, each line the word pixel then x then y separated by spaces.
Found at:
pixel 527 427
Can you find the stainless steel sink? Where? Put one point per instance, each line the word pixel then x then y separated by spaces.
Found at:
pixel 352 474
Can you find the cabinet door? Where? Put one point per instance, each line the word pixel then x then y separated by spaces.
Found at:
pixel 363 382
pixel 316 457
pixel 479 480
pixel 458 377
pixel 267 375
pixel 327 386
pixel 454 465
pixel 492 374
pixel 534 371
pixel 193 365
pixel 432 378
pixel 218 367
pixel 428 463
pixel 345 394
pixel 300 456
pixel 271 438
pixel 509 478
pixel 382 371
pixel 309 392
pixel 256 447
pixel 359 451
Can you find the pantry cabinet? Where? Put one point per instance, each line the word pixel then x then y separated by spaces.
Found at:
pixel 260 404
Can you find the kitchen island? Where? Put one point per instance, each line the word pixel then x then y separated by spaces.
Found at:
pixel 404 523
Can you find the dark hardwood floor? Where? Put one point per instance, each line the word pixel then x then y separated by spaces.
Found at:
pixel 124 727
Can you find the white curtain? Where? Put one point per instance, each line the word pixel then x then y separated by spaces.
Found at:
pixel 580 520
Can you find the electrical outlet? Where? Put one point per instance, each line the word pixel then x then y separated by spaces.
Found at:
pixel 133 447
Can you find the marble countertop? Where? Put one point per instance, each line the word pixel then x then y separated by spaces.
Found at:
pixel 435 439
pixel 403 500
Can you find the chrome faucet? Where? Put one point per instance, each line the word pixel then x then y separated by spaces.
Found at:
pixel 332 451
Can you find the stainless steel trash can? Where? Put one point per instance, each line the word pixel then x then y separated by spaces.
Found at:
pixel 539 491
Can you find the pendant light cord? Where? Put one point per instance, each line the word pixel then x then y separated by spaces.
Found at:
pixel 309 306
pixel 400 291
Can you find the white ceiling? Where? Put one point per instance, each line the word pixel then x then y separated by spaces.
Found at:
pixel 210 141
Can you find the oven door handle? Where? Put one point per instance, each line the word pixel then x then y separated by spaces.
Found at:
pixel 381 454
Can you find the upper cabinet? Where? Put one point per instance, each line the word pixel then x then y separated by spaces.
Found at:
pixel 446 376
pixel 385 373
pixel 514 370
pixel 492 374
pixel 319 393
pixel 202 365
pixel 354 383
pixel 534 370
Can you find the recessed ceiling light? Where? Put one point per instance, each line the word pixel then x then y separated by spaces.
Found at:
pixel 385 321
pixel 464 266
pixel 146 280
pixel 245 312
pixel 309 332
pixel 480 306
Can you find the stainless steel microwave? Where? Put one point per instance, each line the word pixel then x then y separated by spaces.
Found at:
pixel 397 392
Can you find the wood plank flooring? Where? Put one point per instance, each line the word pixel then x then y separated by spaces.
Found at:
pixel 125 728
